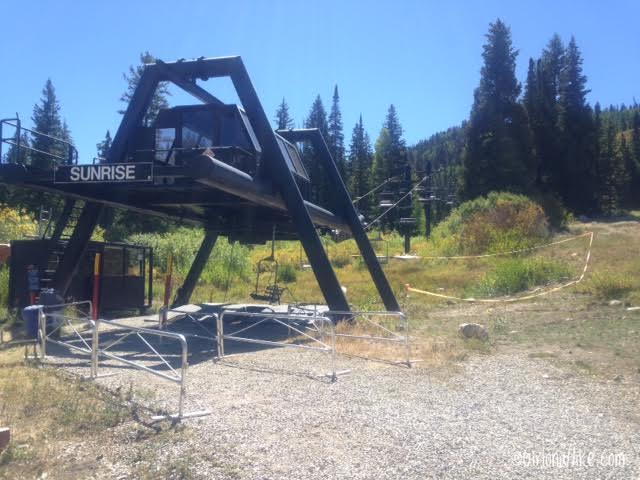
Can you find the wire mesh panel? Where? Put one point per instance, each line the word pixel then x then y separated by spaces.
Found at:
pixel 304 332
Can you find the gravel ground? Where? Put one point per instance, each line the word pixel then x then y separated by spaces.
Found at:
pixel 499 416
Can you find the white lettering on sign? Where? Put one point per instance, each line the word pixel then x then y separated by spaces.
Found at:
pixel 104 173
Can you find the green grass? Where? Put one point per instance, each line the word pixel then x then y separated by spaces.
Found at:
pixel 608 285
pixel 513 275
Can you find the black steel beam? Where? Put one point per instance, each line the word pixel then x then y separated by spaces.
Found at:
pixel 214 173
pixel 134 114
pixel 188 86
pixel 76 247
pixel 184 293
pixel 348 212
pixel 284 180
pixel 67 210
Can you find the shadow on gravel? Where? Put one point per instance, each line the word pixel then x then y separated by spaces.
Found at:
pixel 199 333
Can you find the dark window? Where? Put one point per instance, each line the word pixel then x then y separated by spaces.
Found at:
pixel 165 137
pixel 134 262
pixel 290 153
pixel 197 129
pixel 113 262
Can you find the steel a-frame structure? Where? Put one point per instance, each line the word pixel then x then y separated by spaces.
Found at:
pixel 201 186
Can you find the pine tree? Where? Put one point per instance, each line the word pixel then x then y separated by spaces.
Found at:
pixel 159 99
pixel 18 155
pixel 553 61
pixel 381 167
pixel 635 135
pixel 17 198
pixel 320 191
pixel 360 158
pixel 634 182
pixel 608 198
pixel 575 121
pixel 283 119
pixel 398 153
pixel 335 141
pixel 46 120
pixel 104 146
pixel 498 154
pixel 540 101
pixel 625 166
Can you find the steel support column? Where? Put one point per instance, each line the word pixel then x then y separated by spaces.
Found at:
pixel 63 220
pixel 76 247
pixel 348 212
pixel 186 290
pixel 282 176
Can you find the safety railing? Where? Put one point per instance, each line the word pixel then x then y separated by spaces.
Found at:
pixel 369 327
pixel 195 318
pixel 69 319
pixel 20 143
pixel 175 375
pixel 62 325
pixel 319 334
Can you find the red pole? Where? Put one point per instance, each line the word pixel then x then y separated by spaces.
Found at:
pixel 96 285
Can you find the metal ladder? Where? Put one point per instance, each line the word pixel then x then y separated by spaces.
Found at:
pixel 59 239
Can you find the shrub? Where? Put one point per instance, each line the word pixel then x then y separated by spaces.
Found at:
pixel 183 243
pixel 498 222
pixel 15 225
pixel 518 274
pixel 557 215
pixel 608 285
pixel 287 273
pixel 4 292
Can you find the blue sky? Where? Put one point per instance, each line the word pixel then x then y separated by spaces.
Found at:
pixel 423 56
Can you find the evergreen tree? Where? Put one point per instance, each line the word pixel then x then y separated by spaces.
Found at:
pixel 320 191
pixel 553 61
pixel 498 154
pixel 360 158
pixel 540 101
pixel 398 153
pixel 625 165
pixel 283 119
pixel 634 151
pixel 381 170
pixel 390 151
pixel 317 117
pixel 15 154
pixel 635 135
pixel 104 146
pixel 46 120
pixel 597 144
pixel 381 167
pixel 335 141
pixel 612 179
pixel 159 99
pixel 17 198
pixel 577 169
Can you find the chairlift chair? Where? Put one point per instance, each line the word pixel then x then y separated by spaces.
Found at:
pixel 386 200
pixel 408 222
pixel 272 292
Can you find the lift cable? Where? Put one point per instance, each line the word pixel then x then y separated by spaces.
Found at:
pixel 379 217
pixel 375 189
